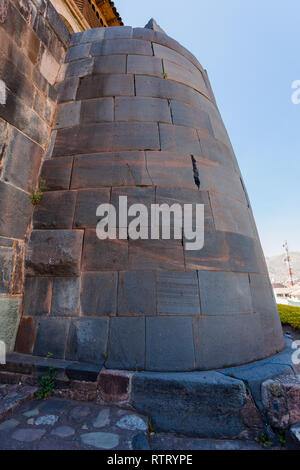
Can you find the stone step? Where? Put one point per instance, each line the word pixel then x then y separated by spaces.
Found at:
pixel 12 396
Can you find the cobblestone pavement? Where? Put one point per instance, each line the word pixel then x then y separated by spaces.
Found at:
pixel 65 424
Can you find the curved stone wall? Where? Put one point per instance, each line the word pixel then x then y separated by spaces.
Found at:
pixel 138 118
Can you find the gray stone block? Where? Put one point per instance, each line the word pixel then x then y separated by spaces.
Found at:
pixel 142 109
pixel 135 195
pixel 55 211
pixel 9 320
pixel 185 115
pixel 169 344
pixel 37 296
pixel 97 110
pixel 78 52
pixel 99 294
pixel 65 297
pixel 79 68
pixel 104 255
pixel 144 65
pixel 149 255
pixel 56 172
pixel 67 89
pixel 118 32
pixel 178 293
pixel 163 167
pixel 97 86
pixel 54 252
pixel 91 35
pixel 122 46
pixel 193 404
pixel 179 139
pixel 228 341
pixel 173 56
pixel 86 205
pixel 114 64
pixel 224 293
pixel 15 211
pixel 68 114
pixel 193 79
pixel 51 337
pixel 263 298
pixel 137 293
pixel 7 258
pixel 215 150
pixel 126 345
pixel 87 340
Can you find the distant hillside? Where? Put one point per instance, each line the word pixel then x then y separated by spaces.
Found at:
pixel 278 269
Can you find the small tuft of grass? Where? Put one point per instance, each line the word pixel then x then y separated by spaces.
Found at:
pixel 263 440
pixel 37 195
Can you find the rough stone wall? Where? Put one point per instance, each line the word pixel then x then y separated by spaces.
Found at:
pixel 137 117
pixel 33 41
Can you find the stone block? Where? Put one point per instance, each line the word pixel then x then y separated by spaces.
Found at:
pixel 114 386
pixel 51 337
pixel 231 215
pixel 68 114
pixel 193 404
pixel 87 340
pixel 122 46
pixel 179 139
pixel 97 110
pixel 97 86
pixel 78 52
pixel 56 173
pixel 104 255
pixel 22 162
pixel 26 336
pixel 163 168
pixel 115 64
pixel 273 340
pixel 67 89
pixel 186 115
pixel 118 32
pixel 169 344
pixel 86 205
pixel 226 341
pixel 124 353
pixel 7 257
pixel 178 293
pixel 65 297
pixel 50 145
pixel 54 252
pixel 6 242
pixel 31 44
pixel 79 68
pixel 151 255
pixel 99 294
pixel 57 49
pixel 83 372
pixel 170 55
pixel 92 35
pixel 16 81
pixel 15 211
pixel 263 298
pixel 193 79
pixel 143 65
pixel 215 150
pixel 55 211
pixel 107 137
pixel 137 293
pixel 110 169
pixel 223 293
pixel 135 195
pixel 37 296
pixel 142 109
pixel 49 67
pixel 57 24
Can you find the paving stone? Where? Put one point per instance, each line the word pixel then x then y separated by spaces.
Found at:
pixel 51 337
pixel 103 419
pixel 15 211
pixel 169 344
pixel 54 252
pixel 67 89
pixel 65 296
pixel 177 293
pixel 179 139
pixel 100 440
pixel 56 173
pixel 137 293
pixel 163 168
pixel 123 353
pixel 31 413
pixel 118 32
pixel 63 432
pixel 22 162
pixel 30 422
pixel 102 137
pixel 140 442
pixel 9 425
pixel 97 86
pixel 87 340
pixel 224 293
pixel 80 413
pixel 114 64
pixel 77 52
pixel 142 109
pixel 141 65
pixel 132 423
pixel 52 405
pixel 104 255
pixel 79 68
pixel 110 169
pixel 99 294
pixel 37 296
pixel 68 114
pixel 86 206
pixel 47 420
pixel 185 115
pixel 97 110
pixel 121 46
pixel 55 211
pixel 28 435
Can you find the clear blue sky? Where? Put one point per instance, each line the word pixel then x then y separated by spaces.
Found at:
pixel 251 50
